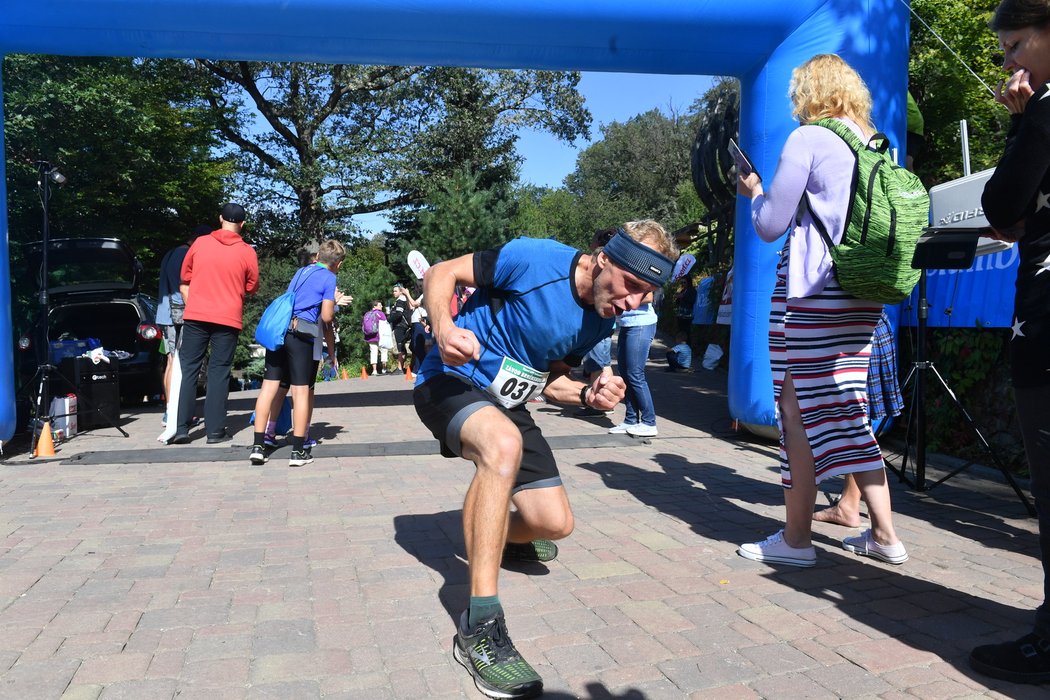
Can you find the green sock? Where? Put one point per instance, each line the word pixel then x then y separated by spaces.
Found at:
pixel 483 607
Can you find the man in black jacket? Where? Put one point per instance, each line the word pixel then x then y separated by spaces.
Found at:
pixel 400 318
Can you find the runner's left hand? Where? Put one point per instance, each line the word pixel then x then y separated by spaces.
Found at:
pixel 606 392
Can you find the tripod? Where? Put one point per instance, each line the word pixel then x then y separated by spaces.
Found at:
pixel 48 175
pixel 917 410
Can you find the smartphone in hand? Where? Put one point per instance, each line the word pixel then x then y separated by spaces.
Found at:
pixel 743 164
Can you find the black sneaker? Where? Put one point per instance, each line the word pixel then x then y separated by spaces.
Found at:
pixel 537 550
pixel 300 458
pixel 1024 660
pixel 497 667
pixel 258 455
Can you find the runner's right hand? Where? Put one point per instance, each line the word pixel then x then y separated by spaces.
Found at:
pixel 458 346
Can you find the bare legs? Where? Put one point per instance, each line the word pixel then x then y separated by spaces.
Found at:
pixel 801 498
pixel 493 443
pixel 846 511
pixel 301 407
pixel 264 403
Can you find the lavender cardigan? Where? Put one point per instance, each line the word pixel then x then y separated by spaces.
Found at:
pixel 817 161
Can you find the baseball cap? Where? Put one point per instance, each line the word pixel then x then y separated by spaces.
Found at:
pixel 234 213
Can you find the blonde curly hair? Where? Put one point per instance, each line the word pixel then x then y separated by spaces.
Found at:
pixel 826 86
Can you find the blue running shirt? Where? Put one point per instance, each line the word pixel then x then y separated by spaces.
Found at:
pixel 525 309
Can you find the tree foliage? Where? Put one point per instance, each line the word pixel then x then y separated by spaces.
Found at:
pixel 461 217
pixel 638 164
pixel 947 92
pixel 318 144
pixel 133 137
pixel 637 169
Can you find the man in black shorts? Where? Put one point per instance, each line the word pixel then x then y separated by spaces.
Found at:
pixel 539 307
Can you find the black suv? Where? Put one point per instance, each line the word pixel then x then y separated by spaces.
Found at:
pixel 93 289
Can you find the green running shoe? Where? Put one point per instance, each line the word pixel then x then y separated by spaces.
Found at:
pixel 537 550
pixel 497 667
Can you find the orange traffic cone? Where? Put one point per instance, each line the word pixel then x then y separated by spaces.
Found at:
pixel 345 374
pixel 409 377
pixel 45 445
pixel 364 373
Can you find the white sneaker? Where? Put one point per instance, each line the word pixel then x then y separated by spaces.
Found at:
pixel 642 430
pixel 866 546
pixel 774 550
pixel 621 429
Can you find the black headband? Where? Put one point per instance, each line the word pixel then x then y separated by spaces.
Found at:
pixel 638 259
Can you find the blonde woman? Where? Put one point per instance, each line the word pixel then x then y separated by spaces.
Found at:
pixel 820 336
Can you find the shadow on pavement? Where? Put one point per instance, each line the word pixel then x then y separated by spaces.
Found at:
pixel 436 540
pixel 924 614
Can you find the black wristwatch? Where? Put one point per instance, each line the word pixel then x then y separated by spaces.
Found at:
pixel 583 394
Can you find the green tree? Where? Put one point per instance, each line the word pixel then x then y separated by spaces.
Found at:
pixel 460 218
pixel 133 138
pixel 947 92
pixel 318 144
pixel 641 161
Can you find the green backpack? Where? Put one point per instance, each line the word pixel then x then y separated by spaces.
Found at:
pixel 889 208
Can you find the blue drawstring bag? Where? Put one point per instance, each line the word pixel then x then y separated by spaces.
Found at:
pixel 278 316
pixel 275 321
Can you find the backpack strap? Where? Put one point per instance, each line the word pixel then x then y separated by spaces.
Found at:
pixel 804 206
pixel 842 130
pixel 879 142
pixel 302 280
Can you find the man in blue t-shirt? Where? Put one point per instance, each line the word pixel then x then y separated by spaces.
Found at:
pixel 539 307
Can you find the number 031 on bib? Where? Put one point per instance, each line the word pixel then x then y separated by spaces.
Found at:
pixel 516 383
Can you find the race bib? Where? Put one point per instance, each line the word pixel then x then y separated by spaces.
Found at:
pixel 516 383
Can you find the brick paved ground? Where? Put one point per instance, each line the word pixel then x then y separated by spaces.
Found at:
pixel 134 570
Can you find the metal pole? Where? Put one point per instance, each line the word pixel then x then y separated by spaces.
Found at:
pixel 43 352
pixel 964 137
pixel 920 387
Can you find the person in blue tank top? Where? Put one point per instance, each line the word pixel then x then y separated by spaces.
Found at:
pixel 540 306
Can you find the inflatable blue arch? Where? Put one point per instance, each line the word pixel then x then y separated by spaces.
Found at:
pixel 758 41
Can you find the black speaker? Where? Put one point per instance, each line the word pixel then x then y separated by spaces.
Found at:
pixel 98 387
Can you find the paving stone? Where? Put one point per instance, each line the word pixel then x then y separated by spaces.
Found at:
pixel 196 575
pixel 39 679
pixel 138 690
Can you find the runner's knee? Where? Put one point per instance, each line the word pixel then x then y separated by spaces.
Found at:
pixel 499 454
pixel 559 527
pixel 547 520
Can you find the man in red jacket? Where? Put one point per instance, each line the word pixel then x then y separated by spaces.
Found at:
pixel 219 270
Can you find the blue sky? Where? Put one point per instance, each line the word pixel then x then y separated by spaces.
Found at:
pixel 611 97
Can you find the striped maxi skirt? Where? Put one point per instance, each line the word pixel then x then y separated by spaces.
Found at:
pixel 825 342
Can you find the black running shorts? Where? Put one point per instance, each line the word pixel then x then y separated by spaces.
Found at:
pixel 292 363
pixel 445 402
pixel 401 336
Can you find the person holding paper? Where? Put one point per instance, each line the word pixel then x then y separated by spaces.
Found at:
pixel 819 335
